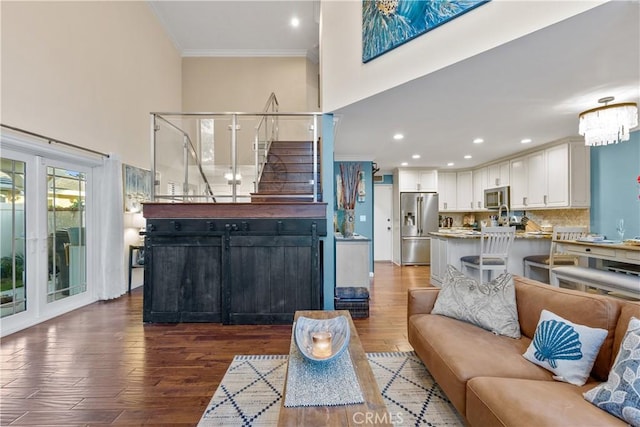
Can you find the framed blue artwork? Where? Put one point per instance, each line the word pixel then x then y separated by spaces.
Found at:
pixel 386 24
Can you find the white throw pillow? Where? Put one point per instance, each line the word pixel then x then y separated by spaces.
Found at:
pixel 620 395
pixel 565 348
pixel 491 306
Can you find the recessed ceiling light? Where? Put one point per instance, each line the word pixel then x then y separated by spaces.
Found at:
pixel 525 141
pixel 404 164
pixel 468 156
pixel 415 156
pixel 295 22
pixel 478 141
pixel 398 136
pixel 450 164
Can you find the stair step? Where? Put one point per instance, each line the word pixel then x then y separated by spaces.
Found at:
pixel 270 175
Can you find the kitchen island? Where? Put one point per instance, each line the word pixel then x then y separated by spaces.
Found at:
pixel 449 245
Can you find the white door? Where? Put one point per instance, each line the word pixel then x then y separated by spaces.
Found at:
pixel 382 222
pixel 43 262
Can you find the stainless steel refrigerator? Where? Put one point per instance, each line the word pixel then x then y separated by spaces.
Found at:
pixel 418 217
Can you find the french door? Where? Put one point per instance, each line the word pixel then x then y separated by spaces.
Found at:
pixel 43 252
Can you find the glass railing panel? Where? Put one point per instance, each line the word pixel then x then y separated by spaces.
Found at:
pixel 216 146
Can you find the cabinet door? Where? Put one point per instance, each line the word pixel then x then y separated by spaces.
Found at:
pixel 464 190
pixel 428 180
pixel 498 175
pixel 479 185
pixel 536 180
pixel 447 191
pixel 519 182
pixel 557 176
pixel 187 280
pixel 408 179
pixel 270 277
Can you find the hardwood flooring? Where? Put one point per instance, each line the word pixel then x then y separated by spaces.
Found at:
pixel 102 365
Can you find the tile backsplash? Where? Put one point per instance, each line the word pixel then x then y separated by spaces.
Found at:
pixel 562 217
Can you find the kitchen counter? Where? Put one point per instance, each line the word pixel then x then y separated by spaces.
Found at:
pixel 448 246
pixel 472 234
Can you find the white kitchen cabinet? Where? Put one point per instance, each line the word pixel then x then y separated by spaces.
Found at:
pixel 557 176
pixel 408 179
pixel 428 180
pixel 479 185
pixel 464 190
pixel 418 179
pixel 498 175
pixel 536 179
pixel 528 181
pixel 447 189
pixel 519 182
pixel 557 188
pixel 439 259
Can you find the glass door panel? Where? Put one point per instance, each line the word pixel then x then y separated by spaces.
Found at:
pixel 12 241
pixel 65 233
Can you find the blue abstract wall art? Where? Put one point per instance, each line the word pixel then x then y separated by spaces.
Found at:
pixel 386 24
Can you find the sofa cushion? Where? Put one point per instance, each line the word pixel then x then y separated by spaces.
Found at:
pixel 522 402
pixel 620 395
pixel 492 305
pixel 565 348
pixel 455 351
pixel 595 311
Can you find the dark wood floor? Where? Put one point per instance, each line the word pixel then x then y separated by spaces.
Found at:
pixel 102 365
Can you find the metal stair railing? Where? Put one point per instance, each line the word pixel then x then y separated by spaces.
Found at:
pixel 262 147
pixel 188 149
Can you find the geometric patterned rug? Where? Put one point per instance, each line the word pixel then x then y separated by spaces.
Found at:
pixel 251 391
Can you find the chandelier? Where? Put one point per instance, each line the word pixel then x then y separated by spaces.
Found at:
pixel 608 124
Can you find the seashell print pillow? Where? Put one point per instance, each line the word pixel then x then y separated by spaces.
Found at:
pixel 565 348
pixel 491 306
pixel 620 395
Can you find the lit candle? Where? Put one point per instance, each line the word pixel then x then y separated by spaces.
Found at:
pixel 321 344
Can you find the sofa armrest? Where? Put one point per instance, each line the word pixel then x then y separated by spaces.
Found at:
pixel 421 300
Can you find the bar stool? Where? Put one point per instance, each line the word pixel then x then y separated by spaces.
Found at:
pixel 556 255
pixel 495 243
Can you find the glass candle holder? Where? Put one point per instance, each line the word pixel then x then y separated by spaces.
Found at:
pixel 321 344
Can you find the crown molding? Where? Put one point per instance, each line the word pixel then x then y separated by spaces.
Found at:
pixel 242 53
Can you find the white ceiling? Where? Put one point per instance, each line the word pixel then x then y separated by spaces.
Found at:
pixel 533 87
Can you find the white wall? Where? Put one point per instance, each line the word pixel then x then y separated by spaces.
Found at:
pixel 88 73
pixel 345 79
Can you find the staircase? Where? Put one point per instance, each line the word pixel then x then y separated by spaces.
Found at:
pixel 288 173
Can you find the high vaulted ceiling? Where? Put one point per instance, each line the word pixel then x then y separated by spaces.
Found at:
pixel 533 87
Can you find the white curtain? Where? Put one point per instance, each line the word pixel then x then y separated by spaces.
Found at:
pixel 110 274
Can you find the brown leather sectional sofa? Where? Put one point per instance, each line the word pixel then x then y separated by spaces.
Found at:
pixel 485 375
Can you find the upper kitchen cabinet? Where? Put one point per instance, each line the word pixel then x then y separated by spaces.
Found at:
pixel 447 189
pixel 480 183
pixel 418 180
pixel 464 190
pixel 557 176
pixel 498 175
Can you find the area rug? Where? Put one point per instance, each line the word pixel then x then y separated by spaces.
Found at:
pixel 251 391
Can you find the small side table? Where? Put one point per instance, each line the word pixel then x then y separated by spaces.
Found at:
pixel 132 263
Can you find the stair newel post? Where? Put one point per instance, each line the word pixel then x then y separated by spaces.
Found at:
pixel 185 162
pixel 234 154
pixel 256 149
pixel 315 158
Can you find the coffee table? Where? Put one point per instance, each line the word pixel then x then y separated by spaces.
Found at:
pixel 372 412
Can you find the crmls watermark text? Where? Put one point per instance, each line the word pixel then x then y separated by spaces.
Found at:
pixel 374 418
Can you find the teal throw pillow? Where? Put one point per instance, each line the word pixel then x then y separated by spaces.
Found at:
pixel 565 348
pixel 491 306
pixel 620 395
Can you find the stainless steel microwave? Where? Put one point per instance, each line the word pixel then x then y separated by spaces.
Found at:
pixel 495 197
